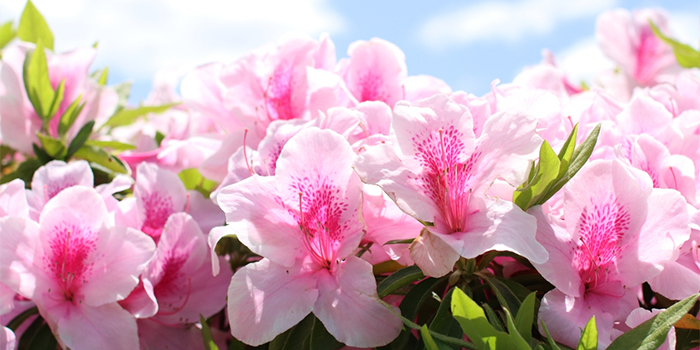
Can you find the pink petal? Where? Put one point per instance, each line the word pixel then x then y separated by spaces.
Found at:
pixel 261 223
pixel 18 252
pixel 207 214
pixel 158 193
pixel 104 327
pixel 418 87
pixel 141 302
pixel 375 71
pixel 8 341
pixel 53 178
pixel 349 307
pixel 266 299
pixel 433 255
pixel 13 200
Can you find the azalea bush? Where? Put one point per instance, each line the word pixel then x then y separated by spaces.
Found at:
pixel 293 200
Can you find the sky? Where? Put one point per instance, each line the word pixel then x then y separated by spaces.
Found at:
pixel 467 44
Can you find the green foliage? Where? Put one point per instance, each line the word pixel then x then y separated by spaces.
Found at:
pixel 553 171
pixel 7 33
pixel 428 339
pixel 129 116
pixel 589 337
pixel 53 147
pixel 33 27
pixel 80 138
pixel 101 157
pixel 652 333
pixel 206 335
pixel 70 115
pixel 399 279
pixel 306 335
pixel 193 180
pixel 686 56
pixel 38 86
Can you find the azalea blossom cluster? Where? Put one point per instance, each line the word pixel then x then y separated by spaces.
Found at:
pixel 284 185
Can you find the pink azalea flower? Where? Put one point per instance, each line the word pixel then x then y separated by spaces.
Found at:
pixel 75 267
pixel 438 172
pixel 374 71
pixel 306 222
pixel 13 200
pixel 7 339
pixel 178 281
pixel 614 236
pixel 52 178
pixel 627 39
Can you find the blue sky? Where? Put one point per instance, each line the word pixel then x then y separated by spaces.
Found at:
pixel 465 43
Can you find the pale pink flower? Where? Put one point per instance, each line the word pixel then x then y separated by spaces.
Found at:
pixel 7 339
pixel 306 222
pixel 75 267
pixel 438 172
pixel 614 235
pixel 52 178
pixel 13 200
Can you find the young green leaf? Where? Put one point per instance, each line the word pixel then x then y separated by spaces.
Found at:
pixel 206 335
pixel 516 337
pixel 567 151
pixel 525 316
pixel 40 154
pixel 589 337
pixel 115 145
pixel 36 82
pixel 7 33
pixel 552 343
pixel 57 99
pixel 399 279
pixel 79 140
pixel 546 172
pixel 70 115
pixel 103 77
pixel 54 148
pixel 686 56
pixel 99 156
pixel 129 116
pixel 428 340
pixel 33 27
pixel 474 323
pixel 652 333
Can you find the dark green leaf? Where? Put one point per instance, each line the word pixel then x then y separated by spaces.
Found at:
pixel 41 154
pixel 589 337
pixel 399 279
pixel 505 296
pixel 129 116
pixel 33 27
pixel 652 333
pixel 25 172
pixel 399 241
pixel 686 56
pixel 99 156
pixel 69 116
pixel 19 319
pixel 159 137
pixel 551 341
pixel 294 338
pixel 115 145
pixel 79 140
pixel 443 322
pixel 525 317
pixel 54 148
pixel 42 339
pixel 36 82
pixel 515 336
pixel 428 339
pixel 206 335
pixel 418 295
pixel 7 33
pixel 493 318
pixel 236 345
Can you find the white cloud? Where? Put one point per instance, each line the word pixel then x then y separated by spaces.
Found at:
pixel 583 61
pixel 138 37
pixel 504 21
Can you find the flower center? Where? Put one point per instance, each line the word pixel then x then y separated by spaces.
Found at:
pixel 158 208
pixel 70 246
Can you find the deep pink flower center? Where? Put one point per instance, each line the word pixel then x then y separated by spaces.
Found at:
pixel 650 49
pixel 601 230
pixel 70 246
pixel 447 180
pixel 371 87
pixel 278 97
pixel 320 211
pixel 158 209
pixel 54 187
pixel 172 282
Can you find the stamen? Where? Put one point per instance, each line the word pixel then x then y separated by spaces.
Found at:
pixel 187 206
pixel 675 183
pixel 245 154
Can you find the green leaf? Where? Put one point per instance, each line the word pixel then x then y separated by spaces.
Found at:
pixel 42 339
pixel 129 116
pixel 36 82
pixel 686 56
pixel 551 341
pixel 57 99
pixel 40 154
pixel 525 316
pixel 24 171
pixel 474 323
pixel 115 145
pixel 99 156
pixel 516 337
pixel 79 140
pixel 19 319
pixel 567 151
pixel 293 339
pixel 206 335
pixel 589 337
pixel 652 333
pixel 71 113
pixel 505 296
pixel 7 33
pixel 399 241
pixel 190 178
pixel 493 317
pixel 444 323
pixel 54 148
pixel 418 295
pixel 546 173
pixel 103 77
pixel 33 27
pixel 428 340
pixel 399 279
